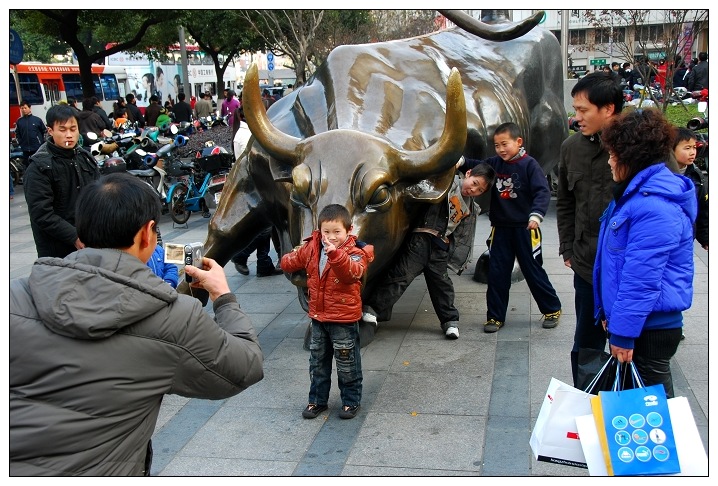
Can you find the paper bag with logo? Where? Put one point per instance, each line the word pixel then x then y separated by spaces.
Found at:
pixel 555 436
pixel 639 432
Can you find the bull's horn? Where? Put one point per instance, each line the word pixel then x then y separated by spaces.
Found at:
pixel 493 32
pixel 279 145
pixel 446 151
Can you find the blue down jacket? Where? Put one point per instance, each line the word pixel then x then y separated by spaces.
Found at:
pixel 643 275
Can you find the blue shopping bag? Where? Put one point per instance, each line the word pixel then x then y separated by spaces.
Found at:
pixel 639 432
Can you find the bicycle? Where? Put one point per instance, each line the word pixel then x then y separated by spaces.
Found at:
pixel 207 176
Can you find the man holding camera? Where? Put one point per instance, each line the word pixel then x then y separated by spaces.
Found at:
pixel 97 340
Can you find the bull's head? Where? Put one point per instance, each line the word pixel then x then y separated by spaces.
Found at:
pixel 371 177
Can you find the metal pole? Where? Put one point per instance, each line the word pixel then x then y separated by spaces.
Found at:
pixel 185 72
pixel 564 41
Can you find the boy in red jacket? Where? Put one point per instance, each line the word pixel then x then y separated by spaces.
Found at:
pixel 335 263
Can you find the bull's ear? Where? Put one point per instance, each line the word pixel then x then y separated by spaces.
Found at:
pixel 433 189
pixel 281 172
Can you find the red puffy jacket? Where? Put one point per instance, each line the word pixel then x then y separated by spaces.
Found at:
pixel 335 296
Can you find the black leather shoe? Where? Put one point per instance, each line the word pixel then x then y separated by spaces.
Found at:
pixel 243 269
pixel 275 271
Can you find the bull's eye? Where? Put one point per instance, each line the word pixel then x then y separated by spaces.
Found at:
pixel 381 196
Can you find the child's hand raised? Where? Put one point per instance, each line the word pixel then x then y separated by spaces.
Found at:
pixel 328 246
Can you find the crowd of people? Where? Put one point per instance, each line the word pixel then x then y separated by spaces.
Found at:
pixel 101 304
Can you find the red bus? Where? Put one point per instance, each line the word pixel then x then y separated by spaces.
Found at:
pixel 44 85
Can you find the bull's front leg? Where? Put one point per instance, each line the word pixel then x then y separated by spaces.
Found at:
pixel 239 217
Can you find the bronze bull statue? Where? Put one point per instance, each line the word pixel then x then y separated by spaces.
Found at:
pixel 378 129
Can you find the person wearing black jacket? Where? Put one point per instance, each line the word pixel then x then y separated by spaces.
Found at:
pixel 29 131
pixel 152 112
pixel 59 170
pixel 182 111
pixel 134 113
pixel 97 108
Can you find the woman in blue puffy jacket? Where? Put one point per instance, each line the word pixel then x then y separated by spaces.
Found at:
pixel 643 275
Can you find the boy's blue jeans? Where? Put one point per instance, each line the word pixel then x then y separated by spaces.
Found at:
pixel 340 341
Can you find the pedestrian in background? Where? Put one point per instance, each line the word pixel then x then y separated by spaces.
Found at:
pixel 97 108
pixel 229 105
pixel 134 113
pixel 336 264
pixel 181 110
pixel 30 132
pixel 203 108
pixel 643 273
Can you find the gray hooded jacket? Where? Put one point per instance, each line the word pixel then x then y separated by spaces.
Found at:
pixel 96 341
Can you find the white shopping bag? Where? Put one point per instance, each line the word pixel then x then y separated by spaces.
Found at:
pixel 555 437
pixel 691 454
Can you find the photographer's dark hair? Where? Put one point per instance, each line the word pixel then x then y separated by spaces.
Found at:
pixel 335 212
pixel 601 89
pixel 111 210
pixel 59 113
pixel 635 153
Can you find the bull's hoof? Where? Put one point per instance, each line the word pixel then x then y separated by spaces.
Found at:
pixel 366 334
pixel 199 294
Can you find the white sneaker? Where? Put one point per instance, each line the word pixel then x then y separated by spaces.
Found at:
pixel 368 317
pixel 452 332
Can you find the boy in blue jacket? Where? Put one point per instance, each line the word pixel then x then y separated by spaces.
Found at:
pixel 166 271
pixel 518 204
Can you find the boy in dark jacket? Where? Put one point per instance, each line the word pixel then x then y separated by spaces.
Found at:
pixel 336 264
pixel 517 209
pixel 684 149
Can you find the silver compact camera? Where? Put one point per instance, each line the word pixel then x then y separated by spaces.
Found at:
pixel 187 254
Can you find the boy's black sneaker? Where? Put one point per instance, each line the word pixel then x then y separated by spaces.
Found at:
pixel 313 410
pixel 348 412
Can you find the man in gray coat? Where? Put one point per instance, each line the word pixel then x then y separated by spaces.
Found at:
pixel 97 339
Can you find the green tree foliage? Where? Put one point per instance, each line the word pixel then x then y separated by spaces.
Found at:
pixel 222 35
pixel 94 34
pixel 37 46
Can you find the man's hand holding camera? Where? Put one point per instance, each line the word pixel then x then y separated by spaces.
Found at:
pixel 210 278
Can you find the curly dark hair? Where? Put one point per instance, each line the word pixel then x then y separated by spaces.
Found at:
pixel 638 139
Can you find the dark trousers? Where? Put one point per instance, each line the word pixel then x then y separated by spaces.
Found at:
pixel 340 342
pixel 589 333
pixel 507 244
pixel 418 255
pixel 260 244
pixel 652 353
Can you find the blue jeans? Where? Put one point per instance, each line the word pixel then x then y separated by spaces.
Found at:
pixel 589 334
pixel 340 341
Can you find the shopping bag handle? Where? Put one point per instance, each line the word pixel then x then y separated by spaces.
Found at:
pixel 635 377
pixel 604 369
